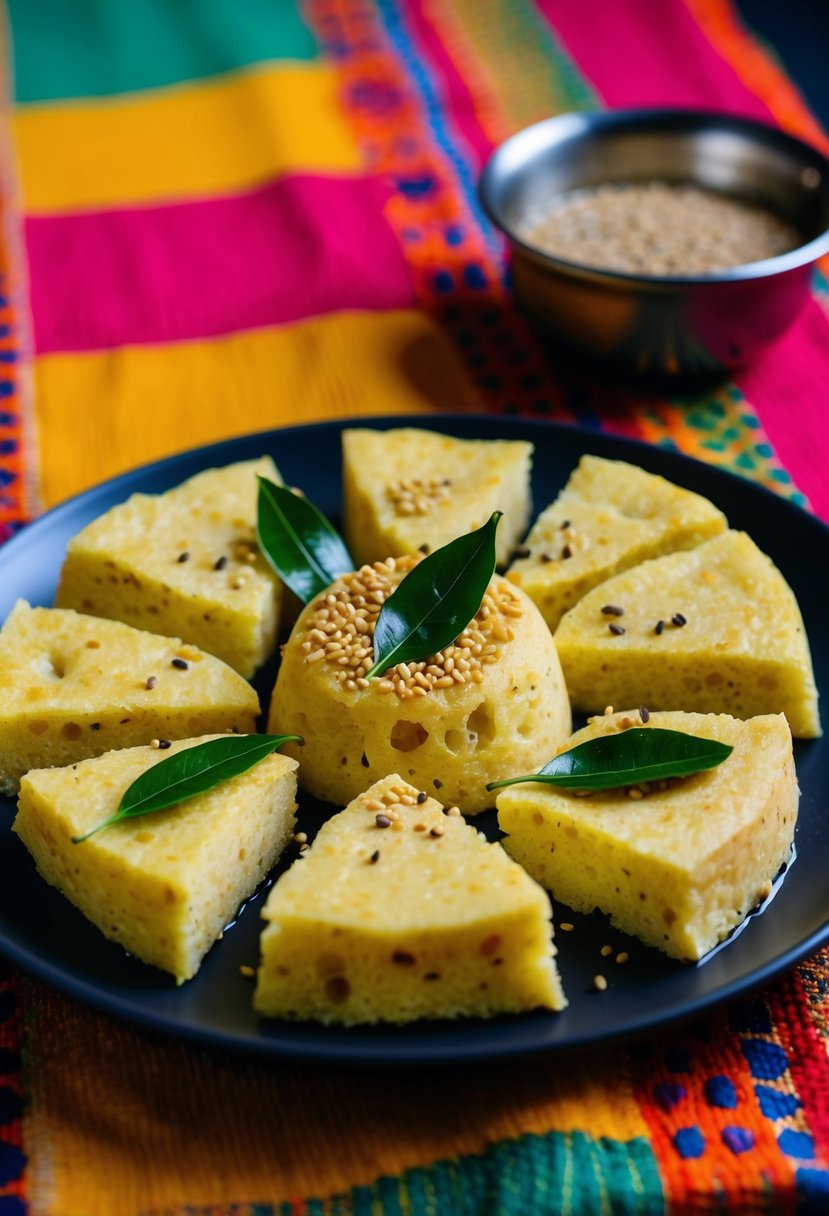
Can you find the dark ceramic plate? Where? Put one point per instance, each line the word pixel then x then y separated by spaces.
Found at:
pixel 42 933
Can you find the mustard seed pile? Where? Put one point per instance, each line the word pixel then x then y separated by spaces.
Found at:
pixel 657 228
pixel 418 495
pixel 341 631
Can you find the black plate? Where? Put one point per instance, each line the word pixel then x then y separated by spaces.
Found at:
pixel 41 932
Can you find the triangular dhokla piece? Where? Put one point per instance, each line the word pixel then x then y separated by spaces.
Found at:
pixel 610 516
pixel 73 686
pixel 400 911
pixel 164 886
pixel 409 491
pixel 716 630
pixel 677 863
pixel 183 564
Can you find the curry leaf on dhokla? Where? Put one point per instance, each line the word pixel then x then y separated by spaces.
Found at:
pixel 627 758
pixel 436 600
pixel 304 549
pixel 195 770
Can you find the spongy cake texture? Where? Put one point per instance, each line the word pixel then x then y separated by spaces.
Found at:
pixel 421 918
pixel 165 885
pixel 450 723
pixel 681 866
pixel 610 516
pixel 731 638
pixel 183 564
pixel 407 488
pixel 73 686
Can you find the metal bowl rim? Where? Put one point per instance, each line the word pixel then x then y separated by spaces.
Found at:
pixel 562 126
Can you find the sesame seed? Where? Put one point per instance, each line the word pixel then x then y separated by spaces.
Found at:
pixel 546 557
pixel 420 827
pixel 635 793
pixel 246 971
pixel 250 557
pixel 521 552
pixel 454 811
pixel 658 627
pixel 237 584
pixel 613 610
pixel 183 557
pixel 607 711
pixel 300 837
pixel 437 830
pixel 615 629
pixel 181 664
pixel 220 563
pixel 382 821
pixel 599 983
pixel 565 525
pixel 424 549
pixel 375 857
pixel 155 743
pixel 679 620
pixel 566 926
pixel 606 951
pixel 421 798
pixel 566 552
pixel 644 714
pixel 164 744
pixel 151 683
pixel 622 956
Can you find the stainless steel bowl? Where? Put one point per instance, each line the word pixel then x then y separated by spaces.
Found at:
pixel 657 325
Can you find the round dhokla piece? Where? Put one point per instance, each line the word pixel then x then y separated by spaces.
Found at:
pixel 400 911
pixel 678 863
pixel 450 723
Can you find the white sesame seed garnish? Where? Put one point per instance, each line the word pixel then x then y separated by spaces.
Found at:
pixel 599 983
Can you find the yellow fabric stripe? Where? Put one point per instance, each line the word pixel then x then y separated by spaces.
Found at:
pixel 215 137
pixel 185 394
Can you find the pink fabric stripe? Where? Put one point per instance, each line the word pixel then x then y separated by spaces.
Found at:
pixel 295 248
pixel 455 96
pixel 649 53
pixel 787 387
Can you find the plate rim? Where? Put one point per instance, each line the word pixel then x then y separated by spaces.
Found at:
pixel 292 1043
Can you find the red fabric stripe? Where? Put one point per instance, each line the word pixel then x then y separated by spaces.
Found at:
pixel 649 53
pixel 295 248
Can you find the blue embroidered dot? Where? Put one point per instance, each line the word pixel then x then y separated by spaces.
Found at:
pixel 738 1139
pixel 416 187
pixel 678 1059
pixel 5 330
pixel 443 281
pixel 12 1205
pixel 11 1104
pixel 750 1016
pixel 767 1061
pixel 775 1105
pixel 781 475
pixel 8 356
pixel 796 1144
pixel 720 1091
pixel 454 235
pixel 812 1192
pixel 7 419
pixel 7 447
pixel 473 276
pixel 669 1094
pixel 764 449
pixel 689 1142
pixel 12 1162
pixel 6 388
pixel 6 478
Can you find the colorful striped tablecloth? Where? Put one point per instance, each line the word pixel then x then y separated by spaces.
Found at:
pixel 222 215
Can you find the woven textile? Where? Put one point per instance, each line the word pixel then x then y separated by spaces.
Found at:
pixel 217 216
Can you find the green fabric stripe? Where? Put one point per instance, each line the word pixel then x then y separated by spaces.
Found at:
pixel 554 1175
pixel 94 48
